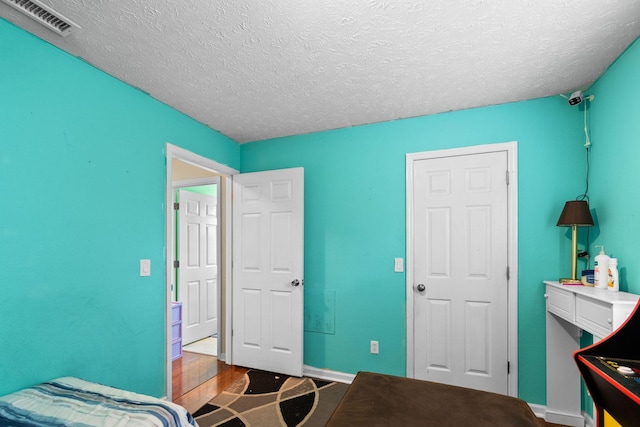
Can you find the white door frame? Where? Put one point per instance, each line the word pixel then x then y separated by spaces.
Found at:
pixel 175 152
pixel 512 242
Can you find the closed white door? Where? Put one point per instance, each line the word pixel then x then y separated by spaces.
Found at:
pixel 268 213
pixel 198 265
pixel 460 270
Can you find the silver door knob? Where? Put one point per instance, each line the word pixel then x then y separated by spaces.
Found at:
pixel 295 282
pixel 421 287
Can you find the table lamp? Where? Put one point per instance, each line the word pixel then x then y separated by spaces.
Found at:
pixel 575 213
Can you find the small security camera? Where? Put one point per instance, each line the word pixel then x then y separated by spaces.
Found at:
pixel 576 98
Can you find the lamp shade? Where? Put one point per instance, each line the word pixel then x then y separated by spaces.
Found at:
pixel 575 212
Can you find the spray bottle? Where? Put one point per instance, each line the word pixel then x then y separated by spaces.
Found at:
pixel 601 270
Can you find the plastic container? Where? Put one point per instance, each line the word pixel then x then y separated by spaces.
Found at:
pixel 587 277
pixel 601 270
pixel 614 284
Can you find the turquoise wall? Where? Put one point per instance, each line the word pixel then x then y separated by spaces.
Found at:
pixel 75 305
pixel 615 133
pixel 615 180
pixel 355 213
pixel 355 223
pixel 73 302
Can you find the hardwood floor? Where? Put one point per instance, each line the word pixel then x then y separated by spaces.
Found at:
pixel 198 378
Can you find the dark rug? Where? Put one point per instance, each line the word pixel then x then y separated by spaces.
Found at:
pixel 266 399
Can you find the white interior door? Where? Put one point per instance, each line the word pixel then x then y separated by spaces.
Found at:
pixel 198 265
pixel 268 214
pixel 460 270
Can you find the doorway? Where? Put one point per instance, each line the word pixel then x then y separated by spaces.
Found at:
pixel 197 268
pixel 185 168
pixel 462 267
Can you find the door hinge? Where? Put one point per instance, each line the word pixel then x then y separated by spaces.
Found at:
pixel 176 206
pixel 176 264
pixel 507 175
pixel 508 367
pixel 508 273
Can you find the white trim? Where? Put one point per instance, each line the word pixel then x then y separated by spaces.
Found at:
pixel 512 241
pixel 541 411
pixel 174 152
pixel 561 418
pixel 588 421
pixel 197 160
pixel 538 410
pixel 327 375
pixel 557 417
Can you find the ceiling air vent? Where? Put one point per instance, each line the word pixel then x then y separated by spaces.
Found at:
pixel 44 15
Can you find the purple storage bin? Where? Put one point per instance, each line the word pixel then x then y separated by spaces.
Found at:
pixel 176 330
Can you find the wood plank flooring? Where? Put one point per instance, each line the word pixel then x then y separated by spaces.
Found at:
pixel 198 378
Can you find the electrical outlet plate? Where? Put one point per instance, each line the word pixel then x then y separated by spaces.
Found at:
pixel 399 265
pixel 374 347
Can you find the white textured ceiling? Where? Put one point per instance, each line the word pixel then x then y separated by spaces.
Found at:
pixel 262 69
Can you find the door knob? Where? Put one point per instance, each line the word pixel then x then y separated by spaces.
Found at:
pixel 295 282
pixel 421 287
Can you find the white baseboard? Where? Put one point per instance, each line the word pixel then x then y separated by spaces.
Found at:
pixel 538 410
pixel 327 375
pixel 556 417
pixel 588 421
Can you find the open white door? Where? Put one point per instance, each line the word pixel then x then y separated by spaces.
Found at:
pixel 268 214
pixel 198 270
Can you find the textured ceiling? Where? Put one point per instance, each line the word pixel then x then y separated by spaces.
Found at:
pixel 261 69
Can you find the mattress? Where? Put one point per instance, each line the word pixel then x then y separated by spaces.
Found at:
pixel 378 400
pixel 74 402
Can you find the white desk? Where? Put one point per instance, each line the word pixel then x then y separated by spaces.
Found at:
pixel 571 310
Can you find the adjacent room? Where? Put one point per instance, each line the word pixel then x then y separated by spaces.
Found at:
pixel 321 190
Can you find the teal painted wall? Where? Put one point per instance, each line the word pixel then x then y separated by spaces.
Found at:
pixel 615 180
pixel 615 137
pixel 74 303
pixel 355 223
pixel 72 299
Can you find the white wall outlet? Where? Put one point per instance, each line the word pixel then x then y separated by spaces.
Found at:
pixel 398 265
pixel 145 267
pixel 375 349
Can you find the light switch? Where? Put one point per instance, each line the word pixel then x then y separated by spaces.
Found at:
pixel 145 267
pixel 399 265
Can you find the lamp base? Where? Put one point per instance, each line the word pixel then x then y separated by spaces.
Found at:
pixel 570 282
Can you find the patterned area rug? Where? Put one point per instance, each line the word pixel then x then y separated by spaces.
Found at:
pixel 266 399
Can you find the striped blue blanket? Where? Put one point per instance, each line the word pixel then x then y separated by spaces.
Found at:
pixel 74 402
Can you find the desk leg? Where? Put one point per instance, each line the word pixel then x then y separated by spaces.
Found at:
pixel 563 377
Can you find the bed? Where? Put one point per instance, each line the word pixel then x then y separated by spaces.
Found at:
pixel 72 401
pixel 377 400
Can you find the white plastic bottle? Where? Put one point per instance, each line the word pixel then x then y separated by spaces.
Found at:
pixel 614 284
pixel 601 270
